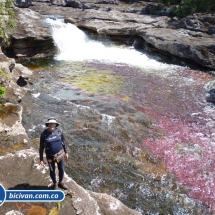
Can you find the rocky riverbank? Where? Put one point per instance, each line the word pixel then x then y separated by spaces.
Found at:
pixel 191 39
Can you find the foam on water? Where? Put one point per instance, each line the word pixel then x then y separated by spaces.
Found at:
pixel 74 45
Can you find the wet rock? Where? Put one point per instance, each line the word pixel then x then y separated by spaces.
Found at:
pixel 180 43
pixel 23 3
pixel 211 97
pixel 73 3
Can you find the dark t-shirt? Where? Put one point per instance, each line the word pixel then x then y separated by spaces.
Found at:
pixel 52 142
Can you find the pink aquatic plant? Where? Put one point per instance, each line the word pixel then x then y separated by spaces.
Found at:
pixel 189 154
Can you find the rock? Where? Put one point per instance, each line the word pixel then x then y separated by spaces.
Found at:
pixel 197 22
pixel 73 3
pixel 13 79
pixel 211 97
pixel 23 3
pixel 110 205
pixel 36 177
pixel 182 43
pixel 31 38
pixel 14 212
pixel 11 128
pixel 114 22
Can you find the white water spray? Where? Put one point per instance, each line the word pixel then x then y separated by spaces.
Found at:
pixel 74 45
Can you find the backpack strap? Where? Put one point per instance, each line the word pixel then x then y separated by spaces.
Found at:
pixel 60 133
pixel 44 136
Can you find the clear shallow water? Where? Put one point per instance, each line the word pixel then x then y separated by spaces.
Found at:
pixel 140 129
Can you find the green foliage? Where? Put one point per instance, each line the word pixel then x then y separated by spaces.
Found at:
pixel 3 74
pixel 2 91
pixel 11 24
pixel 1 33
pixel 9 3
pixel 189 7
pixel 7 22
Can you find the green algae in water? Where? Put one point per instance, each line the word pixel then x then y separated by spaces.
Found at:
pixel 98 82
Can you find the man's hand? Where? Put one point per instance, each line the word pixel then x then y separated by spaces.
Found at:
pixel 41 163
pixel 67 156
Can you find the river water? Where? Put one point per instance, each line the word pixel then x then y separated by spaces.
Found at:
pixel 138 129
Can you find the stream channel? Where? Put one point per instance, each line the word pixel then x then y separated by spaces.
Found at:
pixel 138 128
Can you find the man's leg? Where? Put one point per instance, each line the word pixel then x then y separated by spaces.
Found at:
pixel 52 174
pixel 61 174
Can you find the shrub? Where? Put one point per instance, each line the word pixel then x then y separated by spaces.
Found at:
pixel 7 22
pixel 2 91
pixel 189 7
pixel 3 74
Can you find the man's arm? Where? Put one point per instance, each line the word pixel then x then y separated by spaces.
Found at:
pixel 65 147
pixel 41 148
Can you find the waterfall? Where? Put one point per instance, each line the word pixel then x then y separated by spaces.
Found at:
pixel 75 45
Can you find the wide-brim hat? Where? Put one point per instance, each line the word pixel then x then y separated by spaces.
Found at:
pixel 52 121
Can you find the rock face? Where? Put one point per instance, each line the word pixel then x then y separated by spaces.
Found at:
pixel 16 80
pixel 31 38
pixel 35 177
pixel 184 44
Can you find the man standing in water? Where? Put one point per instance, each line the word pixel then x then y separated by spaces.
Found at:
pixel 53 141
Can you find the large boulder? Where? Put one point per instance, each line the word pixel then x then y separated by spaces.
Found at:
pixel 197 48
pixel 31 38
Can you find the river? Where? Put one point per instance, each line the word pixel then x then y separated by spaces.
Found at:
pixel 138 128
